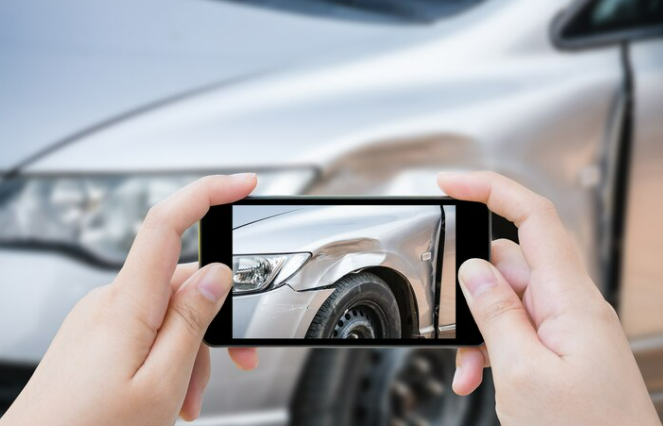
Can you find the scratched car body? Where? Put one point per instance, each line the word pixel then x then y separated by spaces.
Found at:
pixel 392 250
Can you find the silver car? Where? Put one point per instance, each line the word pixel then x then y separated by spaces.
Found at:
pixel 106 107
pixel 345 272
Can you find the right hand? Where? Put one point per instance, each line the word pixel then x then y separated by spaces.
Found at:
pixel 558 353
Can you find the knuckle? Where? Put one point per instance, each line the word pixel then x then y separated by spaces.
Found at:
pixel 605 312
pixel 190 317
pixel 489 174
pixel 98 293
pixel 502 242
pixel 204 184
pixel 545 205
pixel 500 245
pixel 498 310
pixel 95 298
pixel 156 215
pixel 206 181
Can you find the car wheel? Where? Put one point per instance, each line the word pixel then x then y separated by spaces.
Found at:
pixel 387 387
pixel 361 307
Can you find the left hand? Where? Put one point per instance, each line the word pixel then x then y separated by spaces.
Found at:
pixel 131 352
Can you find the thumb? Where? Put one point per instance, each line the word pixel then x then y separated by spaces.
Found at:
pixel 190 312
pixel 498 312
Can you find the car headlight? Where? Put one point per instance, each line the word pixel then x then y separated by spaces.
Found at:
pixel 259 272
pixel 97 217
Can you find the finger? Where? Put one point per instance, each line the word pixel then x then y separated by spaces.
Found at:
pixel 507 257
pixel 182 273
pixel 193 400
pixel 470 363
pixel 153 256
pixel 190 312
pixel 244 358
pixel 535 217
pixel 498 312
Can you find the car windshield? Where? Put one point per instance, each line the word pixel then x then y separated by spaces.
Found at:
pixel 403 11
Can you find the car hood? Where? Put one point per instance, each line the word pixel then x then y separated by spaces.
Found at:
pixel 61 89
pixel 245 215
pixel 311 227
pixel 253 88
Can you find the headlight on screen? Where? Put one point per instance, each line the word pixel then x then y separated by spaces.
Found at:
pixel 258 272
pixel 97 217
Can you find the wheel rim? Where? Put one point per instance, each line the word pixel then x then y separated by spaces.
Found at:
pixel 417 390
pixel 410 388
pixel 364 320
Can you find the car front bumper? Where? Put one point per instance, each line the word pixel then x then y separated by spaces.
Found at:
pixel 37 291
pixel 280 313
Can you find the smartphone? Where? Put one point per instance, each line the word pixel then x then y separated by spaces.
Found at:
pixel 344 271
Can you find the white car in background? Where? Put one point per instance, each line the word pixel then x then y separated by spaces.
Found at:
pixel 107 107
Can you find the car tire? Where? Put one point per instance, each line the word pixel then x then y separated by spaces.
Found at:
pixel 362 306
pixel 371 387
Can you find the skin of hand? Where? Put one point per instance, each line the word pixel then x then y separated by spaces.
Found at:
pixel 557 350
pixel 131 352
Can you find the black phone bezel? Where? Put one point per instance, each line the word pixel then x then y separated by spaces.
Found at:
pixel 472 241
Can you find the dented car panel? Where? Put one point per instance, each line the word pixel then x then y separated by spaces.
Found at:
pixel 283 312
pixel 342 240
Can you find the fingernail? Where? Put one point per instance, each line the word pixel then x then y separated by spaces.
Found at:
pixel 243 176
pixel 199 405
pixel 215 283
pixel 477 276
pixel 256 361
pixel 249 362
pixel 250 365
pixel 457 375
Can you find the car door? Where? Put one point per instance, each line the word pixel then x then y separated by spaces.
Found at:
pixel 636 184
pixel 446 317
pixel 641 307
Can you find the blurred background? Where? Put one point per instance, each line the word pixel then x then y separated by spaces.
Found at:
pixel 107 107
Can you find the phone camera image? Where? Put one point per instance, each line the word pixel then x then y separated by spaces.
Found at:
pixel 344 272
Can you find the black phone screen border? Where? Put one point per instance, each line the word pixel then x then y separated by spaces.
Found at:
pixel 472 241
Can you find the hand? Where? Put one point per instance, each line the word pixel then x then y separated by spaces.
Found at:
pixel 556 347
pixel 130 353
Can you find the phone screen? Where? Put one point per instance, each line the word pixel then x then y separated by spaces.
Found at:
pixel 377 271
